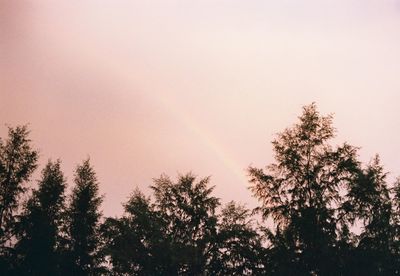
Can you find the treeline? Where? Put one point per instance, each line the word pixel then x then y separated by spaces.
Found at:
pixel 321 212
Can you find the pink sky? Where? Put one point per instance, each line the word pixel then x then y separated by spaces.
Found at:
pixel 150 87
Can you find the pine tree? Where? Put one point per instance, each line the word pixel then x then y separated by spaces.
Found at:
pixel 40 225
pixel 189 209
pixel 17 163
pixel 83 223
pixel 300 192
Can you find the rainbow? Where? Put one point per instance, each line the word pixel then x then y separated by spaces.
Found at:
pixel 207 139
pixel 123 73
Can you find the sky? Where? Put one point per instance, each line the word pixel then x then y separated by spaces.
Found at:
pixel 160 86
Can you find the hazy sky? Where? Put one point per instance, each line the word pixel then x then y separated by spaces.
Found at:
pixel 150 87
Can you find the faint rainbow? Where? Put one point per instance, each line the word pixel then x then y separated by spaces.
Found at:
pixel 206 137
pixel 123 73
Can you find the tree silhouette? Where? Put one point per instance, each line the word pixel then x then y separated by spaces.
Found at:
pixel 301 194
pixel 240 250
pixel 396 225
pixel 189 210
pixel 17 162
pixel 83 224
pixel 136 243
pixel 371 206
pixel 323 213
pixel 40 225
pixel 175 235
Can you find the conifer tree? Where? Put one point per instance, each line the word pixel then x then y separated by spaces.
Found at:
pixel 83 223
pixel 40 225
pixel 17 163
pixel 300 192
pixel 189 209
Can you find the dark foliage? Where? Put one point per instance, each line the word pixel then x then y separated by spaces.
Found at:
pixel 315 194
pixel 136 242
pixel 38 246
pixel 82 225
pixel 239 245
pixel 17 162
pixel 322 212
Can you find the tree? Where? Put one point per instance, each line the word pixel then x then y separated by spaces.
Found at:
pixel 83 223
pixel 40 225
pixel 17 163
pixel 174 235
pixel 136 243
pixel 370 205
pixel 189 210
pixel 301 194
pixel 240 250
pixel 396 224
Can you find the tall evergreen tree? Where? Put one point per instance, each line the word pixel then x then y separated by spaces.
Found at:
pixel 301 194
pixel 17 162
pixel 40 225
pixel 83 223
pixel 189 210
